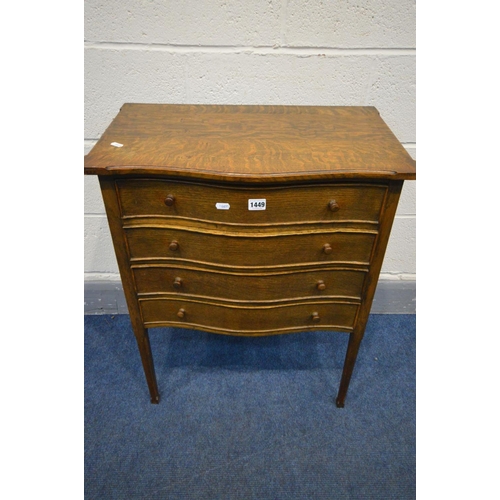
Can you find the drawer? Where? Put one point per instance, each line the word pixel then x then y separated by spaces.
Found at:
pixel 256 320
pixel 243 251
pixel 350 202
pixel 248 287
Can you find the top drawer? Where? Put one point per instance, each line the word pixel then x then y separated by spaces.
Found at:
pixel 334 202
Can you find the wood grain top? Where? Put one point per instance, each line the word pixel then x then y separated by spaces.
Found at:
pixel 250 143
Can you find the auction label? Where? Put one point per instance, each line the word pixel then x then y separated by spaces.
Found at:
pixel 259 204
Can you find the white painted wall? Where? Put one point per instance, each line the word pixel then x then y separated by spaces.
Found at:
pixel 317 52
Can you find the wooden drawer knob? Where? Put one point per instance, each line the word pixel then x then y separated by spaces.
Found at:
pixel 333 205
pixel 169 200
pixel 327 249
pixel 177 283
pixel 315 317
pixel 181 313
pixel 174 245
pixel 320 285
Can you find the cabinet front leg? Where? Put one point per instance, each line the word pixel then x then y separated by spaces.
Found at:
pixel 350 360
pixel 142 337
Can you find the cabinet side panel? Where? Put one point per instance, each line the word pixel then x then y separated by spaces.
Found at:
pixel 386 220
pixel 113 212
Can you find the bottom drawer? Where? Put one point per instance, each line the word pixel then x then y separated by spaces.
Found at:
pixel 255 320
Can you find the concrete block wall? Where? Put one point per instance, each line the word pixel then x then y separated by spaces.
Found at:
pixel 317 52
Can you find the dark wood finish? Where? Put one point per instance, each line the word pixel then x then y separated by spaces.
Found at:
pixel 192 254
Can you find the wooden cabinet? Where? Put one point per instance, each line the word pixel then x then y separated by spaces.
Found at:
pixel 249 220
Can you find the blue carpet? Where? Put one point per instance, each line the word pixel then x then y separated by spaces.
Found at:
pixel 249 418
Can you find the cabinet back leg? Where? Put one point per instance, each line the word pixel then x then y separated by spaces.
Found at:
pixel 350 360
pixel 142 337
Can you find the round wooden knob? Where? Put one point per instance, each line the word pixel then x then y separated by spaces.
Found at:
pixel 327 248
pixel 320 285
pixel 333 205
pixel 170 200
pixel 181 313
pixel 315 317
pixel 174 245
pixel 177 282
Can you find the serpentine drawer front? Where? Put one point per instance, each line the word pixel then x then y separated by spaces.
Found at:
pixel 249 220
pixel 336 202
pixel 244 285
pixel 251 320
pixel 248 249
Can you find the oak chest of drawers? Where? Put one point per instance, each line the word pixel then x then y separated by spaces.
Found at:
pixel 249 220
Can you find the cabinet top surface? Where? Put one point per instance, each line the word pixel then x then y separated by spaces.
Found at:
pixel 249 143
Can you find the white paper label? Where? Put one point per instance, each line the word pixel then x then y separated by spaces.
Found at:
pixel 222 206
pixel 257 204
